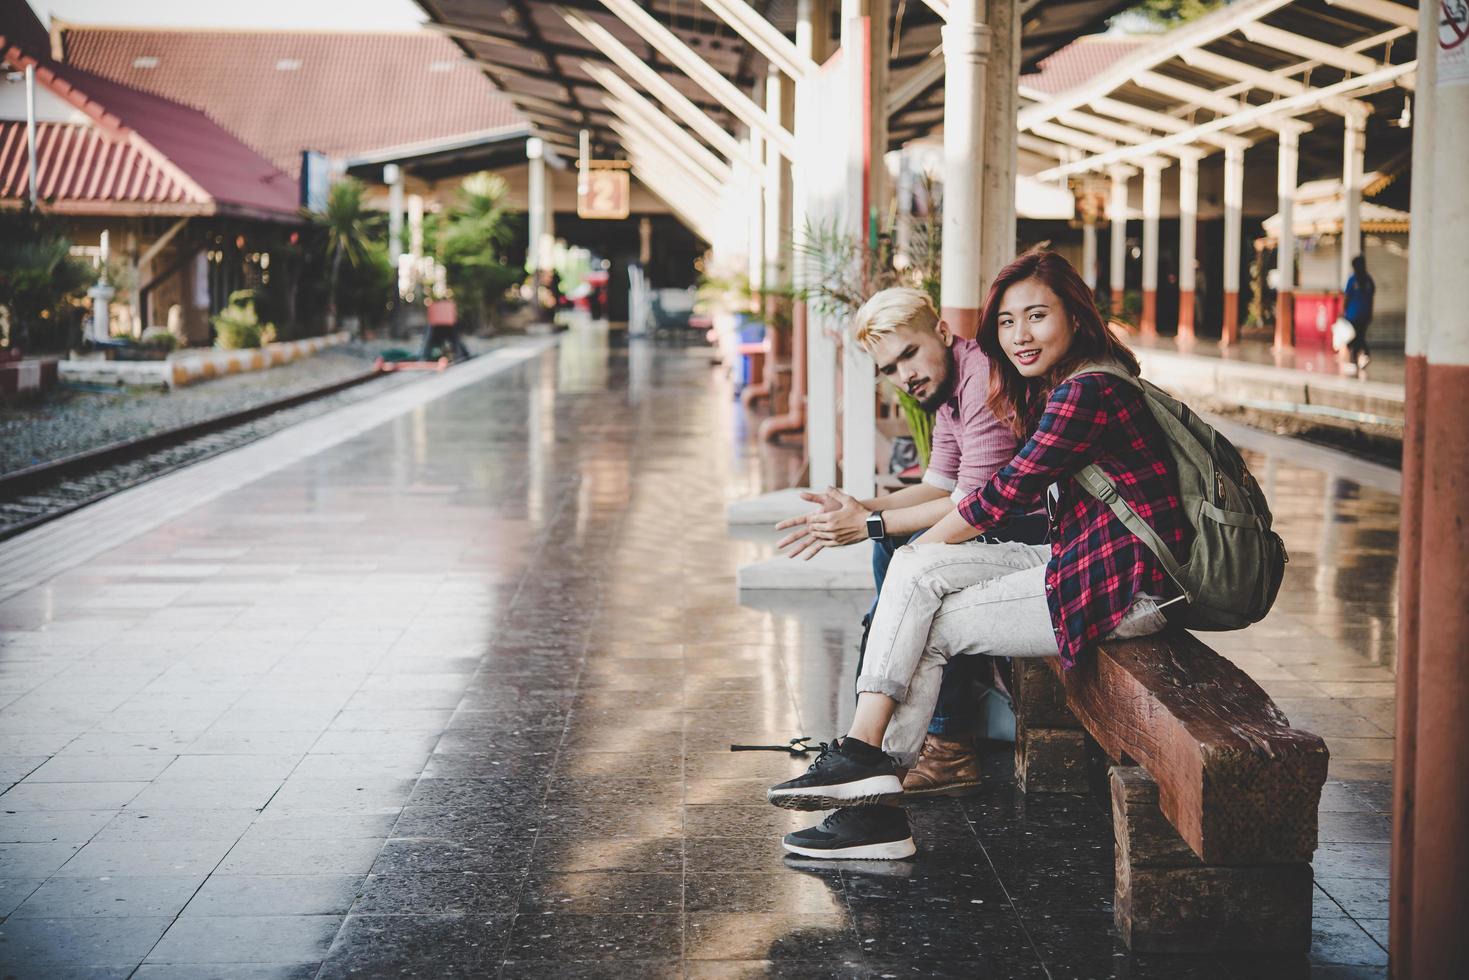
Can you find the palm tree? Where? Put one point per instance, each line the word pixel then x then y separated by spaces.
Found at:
pixel 348 227
pixel 471 241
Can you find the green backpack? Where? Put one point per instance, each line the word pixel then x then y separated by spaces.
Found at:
pixel 1235 561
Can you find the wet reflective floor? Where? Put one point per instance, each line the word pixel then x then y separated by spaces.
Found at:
pixel 453 696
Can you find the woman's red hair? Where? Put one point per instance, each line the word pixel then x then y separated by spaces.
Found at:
pixel 1019 401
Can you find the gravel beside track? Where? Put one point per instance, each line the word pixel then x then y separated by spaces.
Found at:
pixel 69 420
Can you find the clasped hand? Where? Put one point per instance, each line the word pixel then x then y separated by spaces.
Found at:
pixel 840 519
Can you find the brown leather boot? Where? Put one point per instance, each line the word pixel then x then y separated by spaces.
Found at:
pixel 945 767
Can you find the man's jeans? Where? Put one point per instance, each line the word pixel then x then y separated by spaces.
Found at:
pixel 957 713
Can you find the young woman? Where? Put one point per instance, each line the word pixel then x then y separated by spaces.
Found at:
pixel 948 595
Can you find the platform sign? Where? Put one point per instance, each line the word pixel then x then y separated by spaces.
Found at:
pixel 604 193
pixel 1453 43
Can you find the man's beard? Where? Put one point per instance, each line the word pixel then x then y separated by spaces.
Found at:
pixel 945 390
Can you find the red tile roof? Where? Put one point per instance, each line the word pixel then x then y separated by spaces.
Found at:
pixel 136 154
pixel 282 92
pixel 1080 61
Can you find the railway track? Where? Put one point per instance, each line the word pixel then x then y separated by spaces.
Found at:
pixel 46 491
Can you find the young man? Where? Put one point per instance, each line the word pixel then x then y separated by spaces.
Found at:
pixel 949 376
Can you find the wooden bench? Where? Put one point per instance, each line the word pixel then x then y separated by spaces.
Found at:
pixel 1214 795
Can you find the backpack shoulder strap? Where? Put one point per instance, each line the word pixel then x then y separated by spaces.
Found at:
pixel 1107 367
pixel 1095 482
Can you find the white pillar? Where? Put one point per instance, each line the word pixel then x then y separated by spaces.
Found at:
pixel 966 50
pixel 393 177
pixel 777 185
pixel 1001 96
pixel 865 56
pixel 1285 255
pixel 535 207
pixel 1089 247
pixel 1234 192
pixel 813 39
pixel 1117 214
pixel 755 203
pixel 1354 149
pixel 1152 205
pixel 1188 230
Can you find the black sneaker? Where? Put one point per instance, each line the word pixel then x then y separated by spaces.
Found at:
pixel 860 833
pixel 839 778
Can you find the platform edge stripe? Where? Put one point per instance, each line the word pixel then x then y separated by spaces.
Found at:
pixel 32 558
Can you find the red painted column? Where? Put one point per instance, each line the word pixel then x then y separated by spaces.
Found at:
pixel 1186 317
pixel 1229 333
pixel 1285 319
pixel 1430 895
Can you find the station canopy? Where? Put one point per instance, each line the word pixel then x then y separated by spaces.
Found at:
pixel 539 53
pixel 1241 75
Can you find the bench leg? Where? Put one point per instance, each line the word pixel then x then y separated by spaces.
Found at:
pixel 1167 900
pixel 1050 744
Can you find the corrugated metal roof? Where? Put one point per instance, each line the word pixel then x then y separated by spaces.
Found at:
pixel 148 154
pixel 283 92
pixel 80 164
pixel 1080 61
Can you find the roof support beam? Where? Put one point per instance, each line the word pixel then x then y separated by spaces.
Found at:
pixel 641 109
pixel 697 158
pixel 656 85
pixel 1384 10
pixel 686 208
pixel 1267 81
pixel 1223 104
pixel 763 37
pixel 700 71
pixel 940 7
pixel 1327 54
pixel 645 148
pixel 1161 121
pixel 1251 116
pixel 916 82
pixel 1208 28
pixel 1070 137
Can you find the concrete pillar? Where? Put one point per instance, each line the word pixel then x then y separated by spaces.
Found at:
pixel 966 50
pixel 1117 215
pixel 1188 230
pixel 1152 205
pixel 1089 248
pixel 1001 96
pixel 778 102
pixel 1234 192
pixel 1354 150
pixel 755 208
pixel 865 57
pixel 1285 253
pixel 393 177
pixel 1429 830
pixel 1410 533
pixel 535 202
pixel 813 38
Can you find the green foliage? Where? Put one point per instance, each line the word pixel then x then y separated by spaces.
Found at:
pixel 470 240
pixel 159 338
pixel 237 327
pixel 38 275
pixel 1171 13
pixel 349 231
pixel 920 424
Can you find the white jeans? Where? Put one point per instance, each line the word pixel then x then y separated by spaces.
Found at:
pixel 941 601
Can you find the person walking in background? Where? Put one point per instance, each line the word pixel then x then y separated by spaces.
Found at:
pixel 1359 294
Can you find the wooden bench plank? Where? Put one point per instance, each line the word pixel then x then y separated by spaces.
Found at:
pixel 1236 781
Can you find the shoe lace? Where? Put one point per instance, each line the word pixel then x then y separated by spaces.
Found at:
pixel 826 749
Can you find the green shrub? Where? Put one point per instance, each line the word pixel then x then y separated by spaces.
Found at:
pixel 159 338
pixel 237 327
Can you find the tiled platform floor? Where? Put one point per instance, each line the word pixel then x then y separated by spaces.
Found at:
pixel 453 697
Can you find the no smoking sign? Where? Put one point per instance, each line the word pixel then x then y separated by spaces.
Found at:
pixel 1453 51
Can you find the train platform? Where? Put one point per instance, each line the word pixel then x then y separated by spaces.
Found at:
pixel 443 684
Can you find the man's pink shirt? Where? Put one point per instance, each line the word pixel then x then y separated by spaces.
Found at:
pixel 969 443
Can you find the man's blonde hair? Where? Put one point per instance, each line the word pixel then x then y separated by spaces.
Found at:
pixel 890 309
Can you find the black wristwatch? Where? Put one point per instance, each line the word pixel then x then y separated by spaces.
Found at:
pixel 875 527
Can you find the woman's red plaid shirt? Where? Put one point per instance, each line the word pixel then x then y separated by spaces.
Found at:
pixel 1097 566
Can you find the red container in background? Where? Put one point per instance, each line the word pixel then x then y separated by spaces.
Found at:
pixel 1315 313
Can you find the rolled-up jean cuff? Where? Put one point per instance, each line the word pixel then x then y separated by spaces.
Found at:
pixel 875 684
